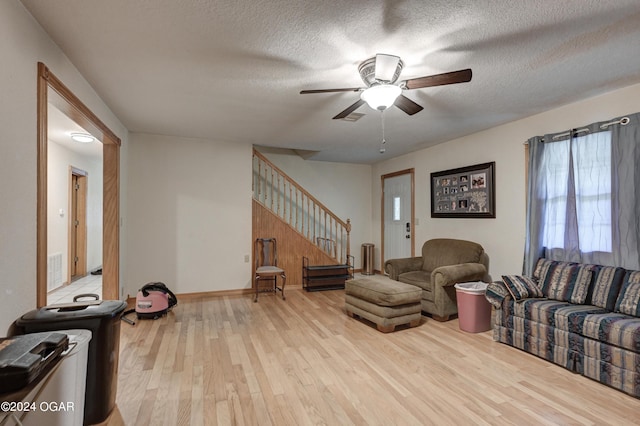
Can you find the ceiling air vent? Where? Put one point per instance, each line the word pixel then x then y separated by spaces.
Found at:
pixel 354 116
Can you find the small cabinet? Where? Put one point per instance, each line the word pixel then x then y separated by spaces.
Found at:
pixel 326 277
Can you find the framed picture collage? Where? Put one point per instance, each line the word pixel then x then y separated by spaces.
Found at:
pixel 467 192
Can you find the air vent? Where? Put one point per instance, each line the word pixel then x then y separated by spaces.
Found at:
pixel 354 116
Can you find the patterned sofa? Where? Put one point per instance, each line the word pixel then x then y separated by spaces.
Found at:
pixel 585 318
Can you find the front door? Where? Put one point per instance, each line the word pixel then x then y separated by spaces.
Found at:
pixel 397 214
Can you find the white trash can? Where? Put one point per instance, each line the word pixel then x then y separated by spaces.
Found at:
pixel 60 400
pixel 474 311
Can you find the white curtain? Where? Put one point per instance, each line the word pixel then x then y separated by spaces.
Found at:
pixel 583 195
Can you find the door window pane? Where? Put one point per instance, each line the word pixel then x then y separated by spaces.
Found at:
pixel 396 208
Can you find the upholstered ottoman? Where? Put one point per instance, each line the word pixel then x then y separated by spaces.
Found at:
pixel 385 302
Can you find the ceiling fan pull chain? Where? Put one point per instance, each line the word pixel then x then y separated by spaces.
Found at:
pixel 384 141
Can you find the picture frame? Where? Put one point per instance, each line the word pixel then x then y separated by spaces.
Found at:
pixel 466 192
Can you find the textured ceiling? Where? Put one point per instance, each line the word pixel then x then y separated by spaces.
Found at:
pixel 233 70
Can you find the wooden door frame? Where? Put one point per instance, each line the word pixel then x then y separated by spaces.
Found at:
pixel 71 106
pixel 411 172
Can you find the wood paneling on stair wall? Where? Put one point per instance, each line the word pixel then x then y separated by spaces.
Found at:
pixel 291 245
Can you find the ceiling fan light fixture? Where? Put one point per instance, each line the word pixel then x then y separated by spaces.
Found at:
pixel 387 67
pixel 381 69
pixel 82 137
pixel 381 96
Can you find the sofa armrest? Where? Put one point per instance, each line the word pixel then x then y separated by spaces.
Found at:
pixel 395 267
pixel 497 293
pixel 452 274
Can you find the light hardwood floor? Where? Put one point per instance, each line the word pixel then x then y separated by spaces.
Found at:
pixel 227 360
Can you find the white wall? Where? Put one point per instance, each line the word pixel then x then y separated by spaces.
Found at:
pixel 59 158
pixel 22 44
pixel 344 188
pixel 502 237
pixel 189 214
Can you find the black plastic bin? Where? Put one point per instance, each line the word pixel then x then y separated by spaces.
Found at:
pixel 102 318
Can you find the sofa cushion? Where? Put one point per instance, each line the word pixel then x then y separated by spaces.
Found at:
pixel 421 279
pixel 521 287
pixel 568 282
pixel 538 310
pixel 542 268
pixel 629 298
pixel 445 251
pixel 563 315
pixel 571 318
pixel 607 286
pixel 615 329
pixel 564 281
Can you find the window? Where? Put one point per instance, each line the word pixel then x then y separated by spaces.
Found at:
pixel 583 197
pixel 575 181
pixel 396 209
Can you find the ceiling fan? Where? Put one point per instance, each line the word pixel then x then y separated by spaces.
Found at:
pixel 380 75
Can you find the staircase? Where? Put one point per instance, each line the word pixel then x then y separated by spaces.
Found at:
pixel 303 226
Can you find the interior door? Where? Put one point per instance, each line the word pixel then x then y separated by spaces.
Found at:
pixel 78 225
pixel 397 190
pixel 73 240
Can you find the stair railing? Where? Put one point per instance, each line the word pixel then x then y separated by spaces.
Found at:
pixel 276 191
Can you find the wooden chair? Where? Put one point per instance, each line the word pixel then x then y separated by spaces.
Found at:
pixel 327 245
pixel 266 258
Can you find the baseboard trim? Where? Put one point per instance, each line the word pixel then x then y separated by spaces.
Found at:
pixel 216 293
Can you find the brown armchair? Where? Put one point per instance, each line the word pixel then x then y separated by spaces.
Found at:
pixel 444 262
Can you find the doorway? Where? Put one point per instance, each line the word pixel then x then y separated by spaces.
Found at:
pixel 64 100
pixel 397 215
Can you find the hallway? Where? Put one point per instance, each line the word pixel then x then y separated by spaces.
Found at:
pixel 87 284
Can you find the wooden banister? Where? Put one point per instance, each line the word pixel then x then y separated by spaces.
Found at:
pixel 278 192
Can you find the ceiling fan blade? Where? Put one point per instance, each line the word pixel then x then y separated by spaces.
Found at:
pixel 452 77
pixel 386 66
pixel 407 105
pixel 352 89
pixel 349 110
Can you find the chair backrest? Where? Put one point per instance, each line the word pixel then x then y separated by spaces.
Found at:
pixel 327 245
pixel 266 252
pixel 446 251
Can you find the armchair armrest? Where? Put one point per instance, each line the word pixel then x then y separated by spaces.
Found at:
pixel 452 274
pixel 395 267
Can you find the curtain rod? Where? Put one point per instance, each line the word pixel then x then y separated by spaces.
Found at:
pixel 567 133
pixel 624 121
pixel 571 132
